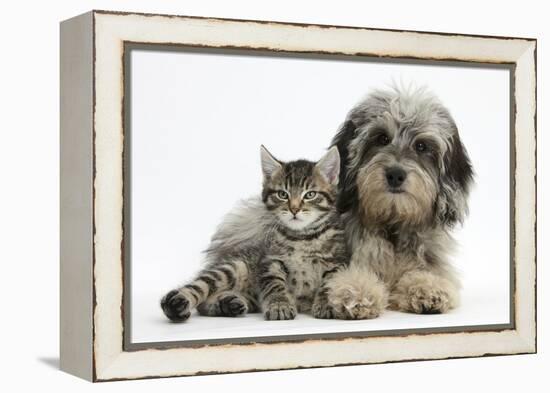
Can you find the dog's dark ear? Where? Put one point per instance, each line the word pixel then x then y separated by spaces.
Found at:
pixel 347 191
pixel 457 178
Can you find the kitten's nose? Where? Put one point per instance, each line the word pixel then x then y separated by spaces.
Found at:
pixel 294 206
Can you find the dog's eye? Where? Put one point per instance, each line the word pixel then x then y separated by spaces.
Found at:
pixel 282 195
pixel 310 195
pixel 420 147
pixel 383 139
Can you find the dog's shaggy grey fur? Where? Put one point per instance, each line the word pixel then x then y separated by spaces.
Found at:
pixel 405 179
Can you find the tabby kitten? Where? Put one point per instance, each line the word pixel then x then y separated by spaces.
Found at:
pixel 276 254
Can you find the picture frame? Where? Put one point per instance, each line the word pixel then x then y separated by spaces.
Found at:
pixel 94 262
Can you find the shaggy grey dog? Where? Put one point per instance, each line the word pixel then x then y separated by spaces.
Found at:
pixel 404 183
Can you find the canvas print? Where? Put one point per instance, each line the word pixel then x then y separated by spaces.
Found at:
pixel 276 196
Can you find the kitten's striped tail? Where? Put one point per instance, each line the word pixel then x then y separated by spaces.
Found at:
pixel 224 276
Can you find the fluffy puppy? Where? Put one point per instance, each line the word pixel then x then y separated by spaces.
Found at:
pixel 404 183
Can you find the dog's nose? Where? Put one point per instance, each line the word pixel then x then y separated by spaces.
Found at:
pixel 395 176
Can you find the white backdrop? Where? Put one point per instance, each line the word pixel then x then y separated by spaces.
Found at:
pixel 197 123
pixel 29 201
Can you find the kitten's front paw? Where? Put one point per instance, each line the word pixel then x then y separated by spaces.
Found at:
pixel 279 311
pixel 176 306
pixel 232 306
pixel 323 311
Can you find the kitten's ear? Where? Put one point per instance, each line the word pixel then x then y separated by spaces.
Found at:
pixel 329 165
pixel 269 164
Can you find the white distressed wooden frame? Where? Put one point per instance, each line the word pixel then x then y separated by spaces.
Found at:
pixel 92 227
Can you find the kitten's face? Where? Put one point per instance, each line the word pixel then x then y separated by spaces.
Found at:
pixel 300 192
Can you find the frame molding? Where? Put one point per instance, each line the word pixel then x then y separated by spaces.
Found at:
pixel 92 189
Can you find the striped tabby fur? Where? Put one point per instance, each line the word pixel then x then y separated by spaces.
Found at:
pixel 273 254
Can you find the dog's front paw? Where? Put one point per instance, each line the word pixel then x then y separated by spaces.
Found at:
pixel 278 311
pixel 424 293
pixel 350 303
pixel 176 306
pixel 356 293
pixel 428 300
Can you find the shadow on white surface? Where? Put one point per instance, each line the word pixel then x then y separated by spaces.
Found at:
pixel 52 362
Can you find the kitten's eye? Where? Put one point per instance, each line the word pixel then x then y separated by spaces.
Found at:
pixel 420 147
pixel 310 195
pixel 282 195
pixel 383 140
